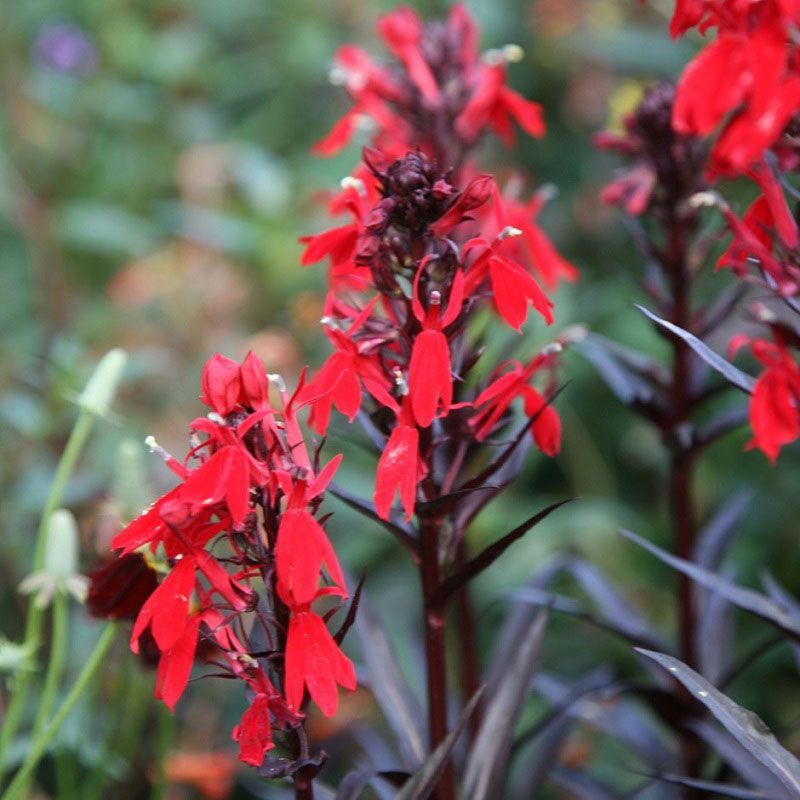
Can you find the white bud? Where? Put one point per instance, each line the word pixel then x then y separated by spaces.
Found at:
pixel 349 182
pixel 103 382
pixel 277 381
pixel 507 232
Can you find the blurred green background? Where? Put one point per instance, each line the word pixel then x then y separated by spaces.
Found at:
pixel 154 178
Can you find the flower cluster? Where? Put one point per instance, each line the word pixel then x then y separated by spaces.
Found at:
pixel 744 87
pixel 431 246
pixel 243 560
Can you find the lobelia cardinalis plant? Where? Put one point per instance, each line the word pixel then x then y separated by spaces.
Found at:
pixel 743 87
pixel 433 247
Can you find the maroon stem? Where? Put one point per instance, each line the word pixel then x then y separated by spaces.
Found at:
pixel 303 786
pixel 468 648
pixel 681 498
pixel 435 648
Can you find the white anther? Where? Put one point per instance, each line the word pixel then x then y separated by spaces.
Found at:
pixel 400 381
pixel 155 447
pixel 552 349
pixel 507 232
pixel 708 198
pixel 349 182
pixel 513 53
pixel 214 417
pixel 277 381
pixel 435 298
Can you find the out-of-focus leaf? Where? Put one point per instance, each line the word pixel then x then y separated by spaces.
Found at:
pixel 714 634
pixel 629 375
pixel 490 554
pixel 715 789
pixel 788 601
pixel 582 786
pixel 741 380
pixel 487 761
pixel 735 754
pixel 715 536
pixel 367 509
pixel 398 703
pixel 747 599
pixel 425 779
pixel 354 783
pixel 105 229
pixel 746 726
pixel 612 712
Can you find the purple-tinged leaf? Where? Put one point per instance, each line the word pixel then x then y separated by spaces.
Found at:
pixel 364 507
pixel 714 634
pixel 581 785
pixel 486 766
pixel 741 380
pixel 631 376
pixel 739 759
pixel 747 727
pixel 751 601
pixel 788 601
pixel 489 555
pixel 424 780
pixel 715 536
pixel 393 694
pixel 713 788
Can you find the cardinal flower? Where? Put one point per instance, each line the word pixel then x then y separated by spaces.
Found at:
pixel 398 466
pixel 513 288
pixel 175 664
pixel 776 397
pixel 430 383
pixel 303 547
pixel 314 661
pixel 254 732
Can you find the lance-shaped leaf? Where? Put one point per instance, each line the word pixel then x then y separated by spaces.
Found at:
pixel 741 380
pixel 582 786
pixel 713 788
pixel 751 601
pixel 748 728
pixel 367 509
pixel 631 376
pixel 398 703
pixel 488 758
pixel 728 747
pixel 715 536
pixel 423 781
pixel 489 555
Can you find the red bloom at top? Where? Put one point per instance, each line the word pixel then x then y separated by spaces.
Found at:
pixel 746 80
pixel 776 397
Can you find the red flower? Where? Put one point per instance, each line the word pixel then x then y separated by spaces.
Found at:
pixel 402 31
pixel 254 732
pixel 494 400
pixel 398 467
pixel 167 609
pixel 430 383
pixel 303 547
pixel 175 664
pixel 314 661
pixel 224 477
pixel 513 288
pixel 776 399
pixel 493 104
pixel 221 384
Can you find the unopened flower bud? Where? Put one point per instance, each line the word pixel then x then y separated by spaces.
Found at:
pixel 221 384
pixel 103 382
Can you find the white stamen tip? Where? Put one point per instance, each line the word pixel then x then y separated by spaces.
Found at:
pixel 706 199
pixel 509 231
pixel 151 443
pixel 552 349
pixel 349 182
pixel 513 53
pixel 435 298
pixel 214 417
pixel 277 381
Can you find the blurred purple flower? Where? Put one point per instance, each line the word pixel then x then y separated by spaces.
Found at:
pixel 65 47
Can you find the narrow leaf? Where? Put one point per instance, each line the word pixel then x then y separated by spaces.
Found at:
pixel 741 380
pixel 751 601
pixel 715 536
pixel 427 776
pixel 367 509
pixel 393 694
pixel 748 728
pixel 488 757
pixel 489 555
pixel 715 789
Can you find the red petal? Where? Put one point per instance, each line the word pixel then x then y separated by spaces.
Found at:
pixel 397 469
pixel 429 380
pixel 175 666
